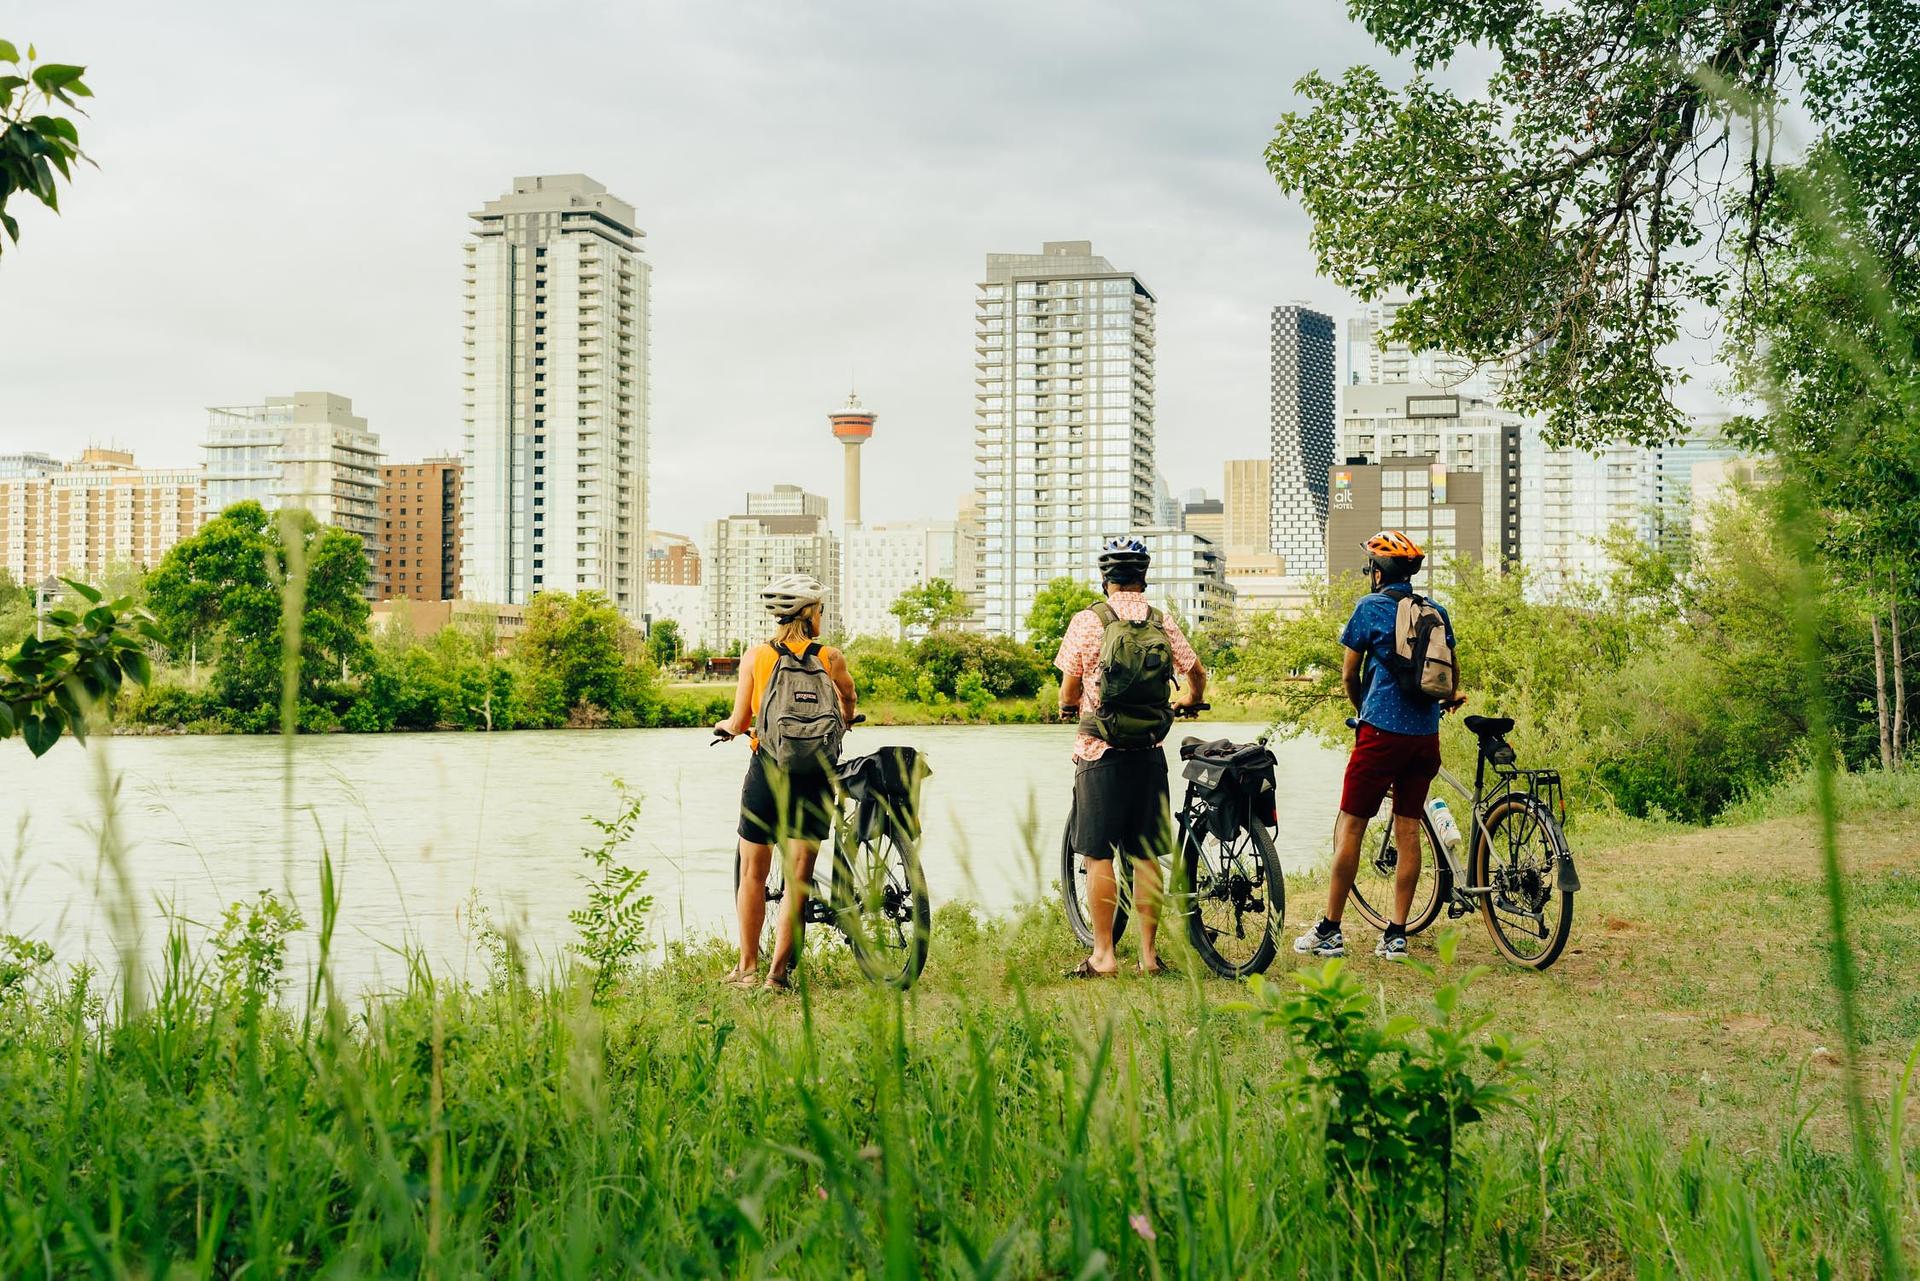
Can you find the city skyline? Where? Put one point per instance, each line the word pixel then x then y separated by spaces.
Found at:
pixel 848 273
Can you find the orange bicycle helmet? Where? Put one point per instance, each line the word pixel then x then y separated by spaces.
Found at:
pixel 1391 544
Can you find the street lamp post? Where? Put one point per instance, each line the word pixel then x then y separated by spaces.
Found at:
pixel 45 590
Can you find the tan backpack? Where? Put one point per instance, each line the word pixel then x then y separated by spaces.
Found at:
pixel 1423 661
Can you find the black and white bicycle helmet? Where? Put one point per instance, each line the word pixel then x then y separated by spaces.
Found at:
pixel 1124 559
pixel 790 594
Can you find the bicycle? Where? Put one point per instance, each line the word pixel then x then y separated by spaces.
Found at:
pixel 1520 875
pixel 1231 894
pixel 873 892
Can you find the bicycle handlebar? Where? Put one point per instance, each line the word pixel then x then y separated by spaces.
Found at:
pixel 1191 712
pixel 721 736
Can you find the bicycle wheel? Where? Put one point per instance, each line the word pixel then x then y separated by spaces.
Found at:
pixel 1527 913
pixel 1073 889
pixel 880 904
pixel 1379 866
pixel 1236 899
pixel 776 897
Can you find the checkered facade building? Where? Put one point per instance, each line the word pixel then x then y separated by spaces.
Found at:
pixel 1303 425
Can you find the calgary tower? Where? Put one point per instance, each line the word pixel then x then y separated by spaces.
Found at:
pixel 852 425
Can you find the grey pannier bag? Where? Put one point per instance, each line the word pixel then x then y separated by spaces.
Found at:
pixel 798 722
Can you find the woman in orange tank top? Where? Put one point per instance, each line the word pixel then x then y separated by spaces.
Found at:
pixel 796 812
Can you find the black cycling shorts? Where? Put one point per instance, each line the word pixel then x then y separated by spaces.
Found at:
pixel 806 815
pixel 1120 804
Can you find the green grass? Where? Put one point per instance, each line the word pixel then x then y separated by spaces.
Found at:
pixel 1861 791
pixel 997 1121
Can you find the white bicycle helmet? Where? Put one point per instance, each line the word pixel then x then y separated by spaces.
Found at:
pixel 785 597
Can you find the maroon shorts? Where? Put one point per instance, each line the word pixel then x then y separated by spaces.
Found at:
pixel 1406 763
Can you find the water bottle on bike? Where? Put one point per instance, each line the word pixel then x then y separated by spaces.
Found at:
pixel 1444 824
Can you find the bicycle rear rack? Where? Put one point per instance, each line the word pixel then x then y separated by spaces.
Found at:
pixel 1542 785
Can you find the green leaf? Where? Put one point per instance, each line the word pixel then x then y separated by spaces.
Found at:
pixel 136 665
pixel 62 617
pixel 93 595
pixel 8 53
pixel 41 732
pixel 7 724
pixel 51 77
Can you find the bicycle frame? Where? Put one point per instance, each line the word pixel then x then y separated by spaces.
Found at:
pixel 1542 785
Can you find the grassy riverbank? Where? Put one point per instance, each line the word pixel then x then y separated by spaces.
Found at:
pixel 1000 1120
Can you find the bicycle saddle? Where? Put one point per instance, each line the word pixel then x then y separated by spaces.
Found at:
pixel 1490 726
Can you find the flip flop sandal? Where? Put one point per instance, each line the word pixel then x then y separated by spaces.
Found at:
pixel 740 979
pixel 1159 969
pixel 1085 970
pixel 777 983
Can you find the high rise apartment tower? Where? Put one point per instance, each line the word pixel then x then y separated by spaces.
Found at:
pixel 1063 420
pixel 554 487
pixel 1301 442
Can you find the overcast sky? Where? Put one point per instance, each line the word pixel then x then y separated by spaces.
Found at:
pixel 283 192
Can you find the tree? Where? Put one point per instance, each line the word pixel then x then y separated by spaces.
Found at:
pixel 34 144
pixel 582 662
pixel 1619 171
pixel 1053 609
pixel 16 611
pixel 201 579
pixel 223 588
pixel 929 607
pixel 664 643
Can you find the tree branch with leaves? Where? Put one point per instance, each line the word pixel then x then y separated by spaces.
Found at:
pixel 1614 182
pixel 35 145
pixel 50 686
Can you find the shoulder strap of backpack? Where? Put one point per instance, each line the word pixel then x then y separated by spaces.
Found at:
pixel 1104 612
pixel 812 651
pixel 1405 610
pixel 1155 618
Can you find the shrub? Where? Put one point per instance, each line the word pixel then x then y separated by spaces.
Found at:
pixel 613 924
pixel 175 705
pixel 1395 1092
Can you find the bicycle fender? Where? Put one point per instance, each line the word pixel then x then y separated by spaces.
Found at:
pixel 1566 880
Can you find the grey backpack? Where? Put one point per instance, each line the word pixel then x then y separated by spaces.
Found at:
pixel 799 723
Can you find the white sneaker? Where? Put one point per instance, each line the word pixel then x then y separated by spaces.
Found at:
pixel 1391 947
pixel 1332 943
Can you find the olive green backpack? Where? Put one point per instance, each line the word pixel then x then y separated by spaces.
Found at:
pixel 1136 681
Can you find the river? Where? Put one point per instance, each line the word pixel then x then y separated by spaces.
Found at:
pixel 419 825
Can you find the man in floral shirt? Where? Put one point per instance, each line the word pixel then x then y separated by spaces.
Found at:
pixel 1119 792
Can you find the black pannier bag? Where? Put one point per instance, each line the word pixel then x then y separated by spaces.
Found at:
pixel 1236 781
pixel 886 785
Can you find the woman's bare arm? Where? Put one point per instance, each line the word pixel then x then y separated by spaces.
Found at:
pixel 842 681
pixel 742 718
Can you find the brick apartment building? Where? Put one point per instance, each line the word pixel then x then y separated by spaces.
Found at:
pixel 82 518
pixel 420 528
pixel 672 560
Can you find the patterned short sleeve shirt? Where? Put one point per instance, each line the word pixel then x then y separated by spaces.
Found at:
pixel 1080 656
pixel 1370 632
